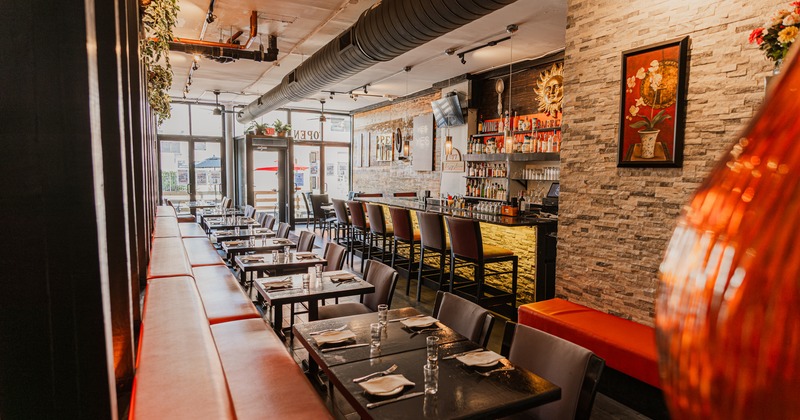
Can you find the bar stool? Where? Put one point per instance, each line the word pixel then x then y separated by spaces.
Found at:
pixel 467 245
pixel 431 229
pixel 359 231
pixel 405 235
pixel 342 236
pixel 380 231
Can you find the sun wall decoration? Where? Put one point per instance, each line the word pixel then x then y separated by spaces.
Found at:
pixel 550 89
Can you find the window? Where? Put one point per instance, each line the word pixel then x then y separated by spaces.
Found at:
pixel 178 123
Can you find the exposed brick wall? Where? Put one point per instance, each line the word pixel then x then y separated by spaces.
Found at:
pixel 396 176
pixel 614 223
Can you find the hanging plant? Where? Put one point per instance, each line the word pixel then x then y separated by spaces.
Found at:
pixel 158 18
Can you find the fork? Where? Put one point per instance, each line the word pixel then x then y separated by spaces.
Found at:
pixel 329 330
pixel 504 368
pixel 391 369
pixel 425 330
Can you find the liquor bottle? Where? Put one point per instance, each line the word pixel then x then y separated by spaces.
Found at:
pixel 480 125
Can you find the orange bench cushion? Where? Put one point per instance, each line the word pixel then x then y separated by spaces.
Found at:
pixel 179 372
pixel 166 227
pixel 264 380
pixel 201 252
pixel 626 346
pixel 191 230
pixel 165 211
pixel 168 258
pixel 222 297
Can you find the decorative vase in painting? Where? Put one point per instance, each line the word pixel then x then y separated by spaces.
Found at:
pixel 648 139
pixel 728 306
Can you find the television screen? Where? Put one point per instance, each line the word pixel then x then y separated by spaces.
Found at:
pixel 447 111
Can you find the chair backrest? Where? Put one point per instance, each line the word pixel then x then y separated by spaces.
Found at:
pixel 226 203
pixel 261 217
pixel 269 221
pixel 377 221
pixel 317 201
pixel 465 237
pixel 361 194
pixel 401 223
pixel 340 208
pixel 384 278
pixel 249 211
pixel 465 317
pixel 306 241
pixel 357 216
pixel 404 194
pixel 334 255
pixel 573 368
pixel 431 230
pixel 309 215
pixel 283 230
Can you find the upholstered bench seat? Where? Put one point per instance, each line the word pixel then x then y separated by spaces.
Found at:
pixel 264 380
pixel 201 252
pixel 222 297
pixel 165 211
pixel 166 227
pixel 168 258
pixel 626 346
pixel 191 230
pixel 179 372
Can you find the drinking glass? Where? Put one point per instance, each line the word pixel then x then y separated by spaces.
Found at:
pixel 306 282
pixel 264 240
pixel 375 336
pixel 236 230
pixel 432 344
pixel 252 241
pixel 286 250
pixel 431 378
pixel 383 314
pixel 275 256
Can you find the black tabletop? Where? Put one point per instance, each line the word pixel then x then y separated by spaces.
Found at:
pixel 463 393
pixel 243 246
pixel 229 235
pixel 396 338
pixel 282 263
pixel 327 290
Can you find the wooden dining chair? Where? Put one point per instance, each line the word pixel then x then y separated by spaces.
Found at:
pixel 573 368
pixel 306 241
pixel 464 317
pixel 380 275
pixel 269 221
pixel 283 230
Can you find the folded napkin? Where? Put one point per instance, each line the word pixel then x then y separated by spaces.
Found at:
pixel 252 259
pixel 419 321
pixel 386 385
pixel 481 358
pixel 330 337
pixel 341 277
pixel 281 241
pixel 305 255
pixel 234 243
pixel 223 232
pixel 277 284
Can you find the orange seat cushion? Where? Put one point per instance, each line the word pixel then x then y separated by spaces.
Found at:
pixel 191 230
pixel 168 258
pixel 491 251
pixel 222 297
pixel 166 227
pixel 264 379
pixel 165 211
pixel 201 252
pixel 179 372
pixel 626 346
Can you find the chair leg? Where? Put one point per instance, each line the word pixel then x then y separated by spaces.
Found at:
pixel 394 252
pixel 410 266
pixel 419 272
pixel 479 274
pixel 441 269
pixel 452 272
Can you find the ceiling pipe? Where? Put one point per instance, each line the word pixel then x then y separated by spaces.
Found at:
pixel 253 29
pixel 382 33
pixel 216 50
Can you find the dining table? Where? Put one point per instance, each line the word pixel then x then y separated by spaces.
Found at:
pixel 464 392
pixel 223 235
pixel 254 244
pixel 333 284
pixel 274 264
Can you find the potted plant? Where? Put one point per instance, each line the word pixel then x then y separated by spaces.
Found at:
pixel 257 128
pixel 281 128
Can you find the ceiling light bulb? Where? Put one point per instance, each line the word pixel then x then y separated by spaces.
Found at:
pixel 197 57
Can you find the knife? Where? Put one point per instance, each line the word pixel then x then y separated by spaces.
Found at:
pixel 345 347
pixel 408 317
pixel 400 398
pixel 453 356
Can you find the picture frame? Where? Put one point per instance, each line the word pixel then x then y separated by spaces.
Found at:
pixel 652 113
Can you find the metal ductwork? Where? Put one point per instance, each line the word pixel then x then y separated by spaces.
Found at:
pixel 384 32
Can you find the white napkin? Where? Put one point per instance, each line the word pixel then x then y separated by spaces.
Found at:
pixel 386 385
pixel 305 255
pixel 419 322
pixel 277 284
pixel 252 259
pixel 234 243
pixel 481 358
pixel 340 276
pixel 223 232
pixel 281 241
pixel 330 337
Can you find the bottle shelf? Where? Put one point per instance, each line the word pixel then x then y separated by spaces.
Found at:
pixel 485 177
pixel 482 198
pixel 500 133
pixel 511 157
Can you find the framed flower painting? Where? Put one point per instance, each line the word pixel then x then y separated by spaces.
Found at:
pixel 653 105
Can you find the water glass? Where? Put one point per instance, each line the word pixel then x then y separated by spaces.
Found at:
pixel 236 230
pixel 286 249
pixel 275 256
pixel 383 314
pixel 375 336
pixel 264 240
pixel 432 344
pixel 252 241
pixel 431 378
pixel 306 282
pixel 318 268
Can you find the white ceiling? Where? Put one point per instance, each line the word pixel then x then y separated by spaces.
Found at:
pixel 304 26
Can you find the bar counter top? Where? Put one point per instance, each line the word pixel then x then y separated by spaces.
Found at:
pixel 416 204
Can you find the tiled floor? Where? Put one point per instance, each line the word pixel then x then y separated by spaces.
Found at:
pixel 604 407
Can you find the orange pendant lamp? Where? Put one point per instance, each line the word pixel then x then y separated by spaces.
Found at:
pixel 728 306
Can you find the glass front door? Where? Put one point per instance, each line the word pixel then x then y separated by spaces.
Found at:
pixel 207 171
pixel 269 181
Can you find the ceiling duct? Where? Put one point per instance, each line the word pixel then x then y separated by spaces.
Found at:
pixel 382 33
pixel 224 52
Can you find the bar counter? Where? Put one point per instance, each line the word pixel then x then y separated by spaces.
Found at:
pixel 531 238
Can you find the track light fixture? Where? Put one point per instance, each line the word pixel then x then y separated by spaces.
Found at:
pixel 211 17
pixel 365 90
pixel 463 60
pixel 331 95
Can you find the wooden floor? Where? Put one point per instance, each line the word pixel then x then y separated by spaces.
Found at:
pixel 604 407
